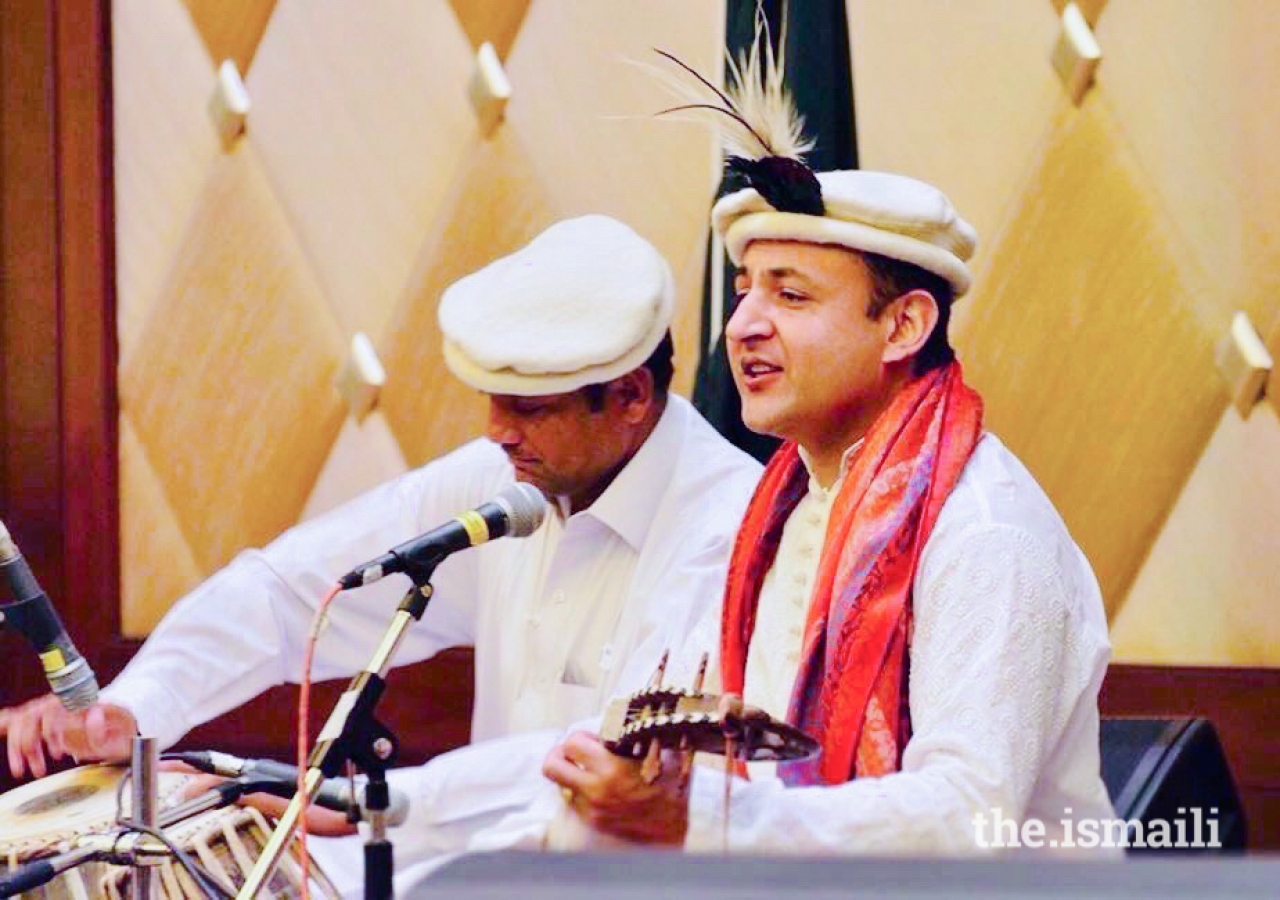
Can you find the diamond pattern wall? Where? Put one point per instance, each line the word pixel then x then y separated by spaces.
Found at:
pixel 231 30
pixel 230 386
pixel 1117 238
pixel 362 119
pixel 497 23
pixel 165 147
pixel 361 188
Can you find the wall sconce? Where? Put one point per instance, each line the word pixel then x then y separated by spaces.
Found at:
pixel 1244 362
pixel 1076 54
pixel 361 378
pixel 229 105
pixel 488 89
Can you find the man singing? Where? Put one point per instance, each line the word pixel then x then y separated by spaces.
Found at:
pixel 901 588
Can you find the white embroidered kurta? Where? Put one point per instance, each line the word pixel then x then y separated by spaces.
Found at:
pixel 1009 650
pixel 561 620
pixel 774 657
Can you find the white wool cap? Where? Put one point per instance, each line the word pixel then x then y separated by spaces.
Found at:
pixel 586 301
pixel 875 212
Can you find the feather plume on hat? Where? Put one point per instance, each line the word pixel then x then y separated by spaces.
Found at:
pixel 764 136
pixel 774 195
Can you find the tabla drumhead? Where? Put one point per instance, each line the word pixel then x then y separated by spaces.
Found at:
pixel 43 813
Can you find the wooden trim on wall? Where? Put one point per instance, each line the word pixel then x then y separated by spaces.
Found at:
pixel 58 407
pixel 57 331
pixel 87 345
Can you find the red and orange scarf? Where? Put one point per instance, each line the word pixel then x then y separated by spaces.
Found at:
pixel 851 689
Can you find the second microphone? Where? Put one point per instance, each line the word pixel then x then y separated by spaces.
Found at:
pixel 517 511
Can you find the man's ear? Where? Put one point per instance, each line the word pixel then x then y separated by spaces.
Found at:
pixel 634 392
pixel 912 318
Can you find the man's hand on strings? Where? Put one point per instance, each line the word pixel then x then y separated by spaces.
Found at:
pixel 621 797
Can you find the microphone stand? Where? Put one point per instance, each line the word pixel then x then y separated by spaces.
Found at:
pixel 143 779
pixel 351 733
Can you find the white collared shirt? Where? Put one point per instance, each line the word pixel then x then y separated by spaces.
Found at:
pixel 561 620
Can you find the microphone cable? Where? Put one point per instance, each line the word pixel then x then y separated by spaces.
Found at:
pixel 204 880
pixel 318 622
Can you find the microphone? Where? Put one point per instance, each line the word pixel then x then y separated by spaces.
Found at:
pixel 517 511
pixel 121 847
pixel 33 615
pixel 266 774
pixel 32 875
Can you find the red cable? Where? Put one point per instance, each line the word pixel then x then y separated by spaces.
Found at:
pixel 304 714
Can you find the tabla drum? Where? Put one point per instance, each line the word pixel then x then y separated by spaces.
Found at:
pixel 44 817
pixel 226 844
pixel 47 816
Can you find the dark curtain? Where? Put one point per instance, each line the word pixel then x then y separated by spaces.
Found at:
pixel 819 74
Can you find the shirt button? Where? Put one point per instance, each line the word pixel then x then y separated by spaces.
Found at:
pixel 798 600
pixel 815 518
pixel 559 597
pixel 799 578
pixel 806 549
pixel 535 620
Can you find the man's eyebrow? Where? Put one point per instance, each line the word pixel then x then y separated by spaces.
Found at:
pixel 774 272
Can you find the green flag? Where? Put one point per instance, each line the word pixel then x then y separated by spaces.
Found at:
pixel 819 75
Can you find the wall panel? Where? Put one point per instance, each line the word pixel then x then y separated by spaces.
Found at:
pixel 161 562
pixel 487 21
pixel 360 190
pixel 230 389
pixel 1207 594
pixel 1094 365
pixel 164 147
pixel 1194 90
pixel 361 119
pixel 497 205
pixel 957 96
pixel 230 30
pixel 1116 238
pixel 1194 86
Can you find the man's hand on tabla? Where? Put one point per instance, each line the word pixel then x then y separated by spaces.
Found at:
pixel 100 732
